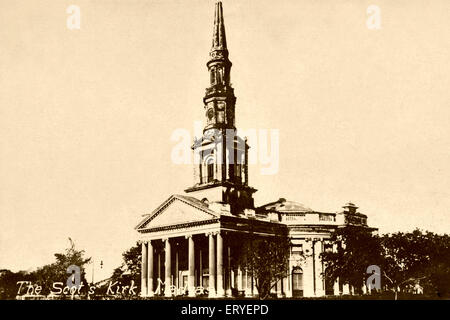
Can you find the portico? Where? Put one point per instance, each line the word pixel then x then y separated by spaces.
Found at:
pixel 187 249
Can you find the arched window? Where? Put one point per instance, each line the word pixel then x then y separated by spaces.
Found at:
pixel 208 163
pixel 297 282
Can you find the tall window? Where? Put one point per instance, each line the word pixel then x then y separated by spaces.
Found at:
pixel 213 76
pixel 297 282
pixel 238 172
pixel 210 172
pixel 219 76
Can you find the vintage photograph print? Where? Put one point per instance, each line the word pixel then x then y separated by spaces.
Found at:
pixel 218 151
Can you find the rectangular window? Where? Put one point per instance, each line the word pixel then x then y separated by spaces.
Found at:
pixel 238 171
pixel 210 172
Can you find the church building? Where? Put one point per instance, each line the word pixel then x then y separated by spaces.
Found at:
pixel 192 241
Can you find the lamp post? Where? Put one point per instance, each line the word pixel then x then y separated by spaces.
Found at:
pixel 93 268
pixel 93 264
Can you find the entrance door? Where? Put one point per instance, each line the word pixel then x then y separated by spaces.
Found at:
pixel 297 282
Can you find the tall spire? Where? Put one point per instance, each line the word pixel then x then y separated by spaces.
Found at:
pixel 219 49
pixel 219 39
pixel 221 172
pixel 219 91
pixel 219 97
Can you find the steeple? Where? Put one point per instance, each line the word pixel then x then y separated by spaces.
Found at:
pixel 220 156
pixel 219 98
pixel 219 41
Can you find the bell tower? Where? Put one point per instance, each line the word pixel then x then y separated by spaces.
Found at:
pixel 220 156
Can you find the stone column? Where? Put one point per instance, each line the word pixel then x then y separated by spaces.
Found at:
pixel 346 289
pixel 177 272
pixel 239 278
pixel 280 288
pixel 219 161
pixel 285 286
pixel 336 287
pixel 212 267
pixel 229 274
pixel 289 291
pixel 159 267
pixel 320 281
pixel 144 270
pixel 309 273
pixel 168 270
pixel 200 268
pixel 248 283
pixel 191 266
pixel 220 290
pixel 150 270
pixel 254 289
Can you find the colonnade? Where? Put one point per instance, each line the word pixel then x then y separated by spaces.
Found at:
pixel 222 277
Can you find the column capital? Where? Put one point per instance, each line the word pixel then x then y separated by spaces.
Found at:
pixel 188 236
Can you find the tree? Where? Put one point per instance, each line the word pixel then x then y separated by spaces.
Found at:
pixel 46 275
pixel 57 271
pixel 130 269
pixel 8 283
pixel 267 261
pixel 439 271
pixel 417 258
pixel 356 249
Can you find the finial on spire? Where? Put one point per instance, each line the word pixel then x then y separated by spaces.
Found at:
pixel 219 65
pixel 219 41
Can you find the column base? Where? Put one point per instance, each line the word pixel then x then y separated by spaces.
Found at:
pixel 220 293
pixel 143 291
pixel 320 293
pixel 191 292
pixel 211 293
pixel 167 292
pixel 345 289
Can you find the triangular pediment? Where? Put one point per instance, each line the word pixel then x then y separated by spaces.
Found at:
pixel 177 210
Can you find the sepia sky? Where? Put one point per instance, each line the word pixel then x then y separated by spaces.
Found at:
pixel 86 116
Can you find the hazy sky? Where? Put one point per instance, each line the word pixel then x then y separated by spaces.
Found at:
pixel 87 115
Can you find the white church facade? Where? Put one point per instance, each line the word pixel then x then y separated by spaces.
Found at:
pixel 191 242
